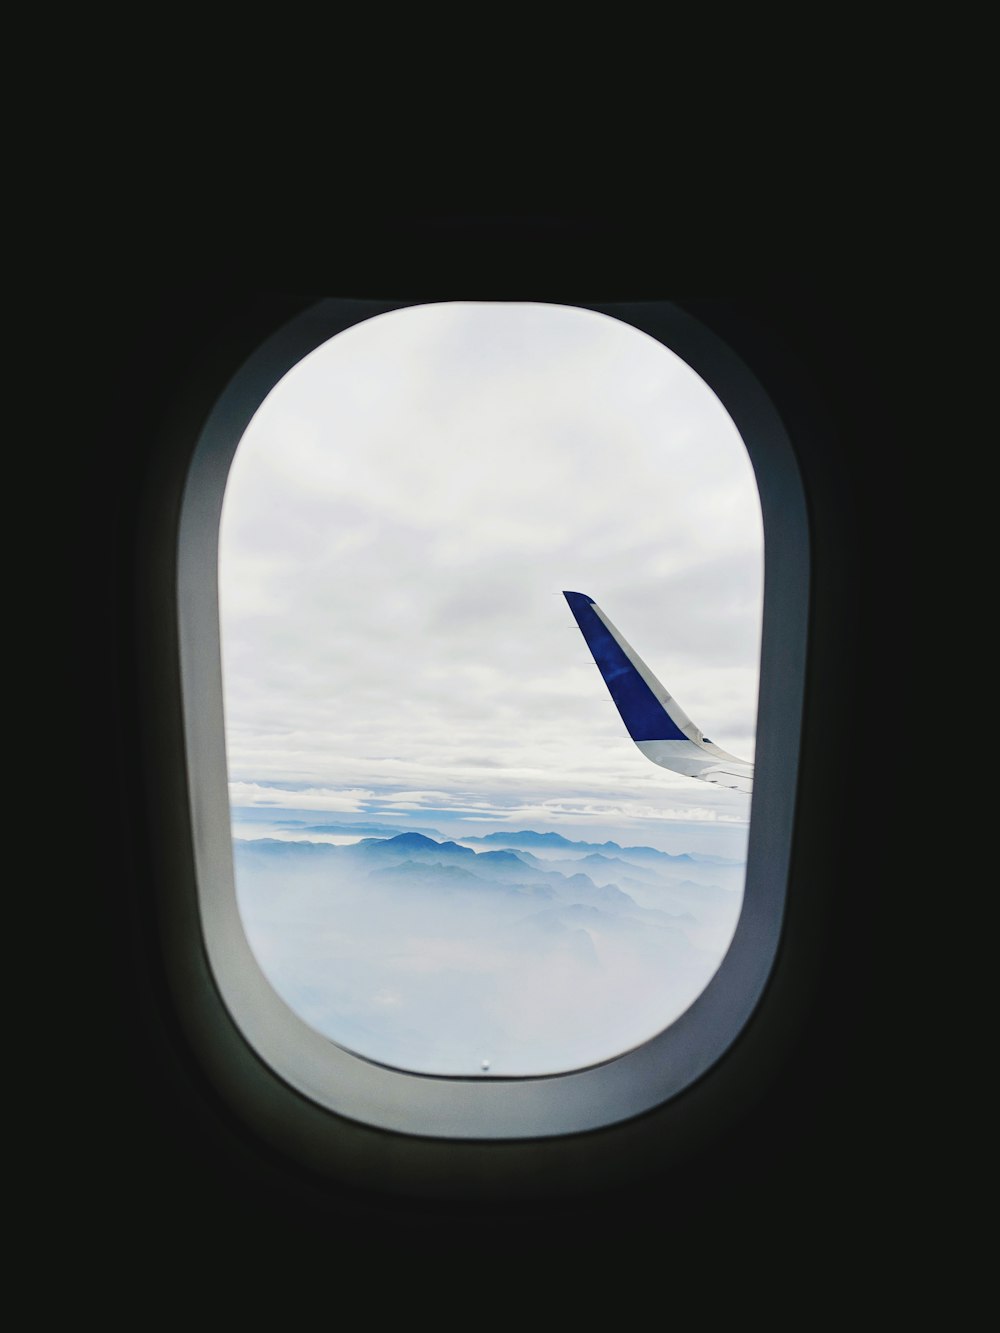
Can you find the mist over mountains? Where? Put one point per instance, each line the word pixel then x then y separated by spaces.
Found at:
pixel 528 952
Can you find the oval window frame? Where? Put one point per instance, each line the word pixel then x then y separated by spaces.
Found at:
pixel 306 1065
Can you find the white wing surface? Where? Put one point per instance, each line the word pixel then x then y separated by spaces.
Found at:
pixel 658 725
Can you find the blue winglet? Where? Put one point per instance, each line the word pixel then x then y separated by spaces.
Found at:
pixel 643 714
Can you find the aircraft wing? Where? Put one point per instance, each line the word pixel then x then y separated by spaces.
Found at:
pixel 655 721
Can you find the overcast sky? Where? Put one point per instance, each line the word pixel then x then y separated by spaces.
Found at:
pixel 401 518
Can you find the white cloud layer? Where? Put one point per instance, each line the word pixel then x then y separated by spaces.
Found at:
pixel 401 518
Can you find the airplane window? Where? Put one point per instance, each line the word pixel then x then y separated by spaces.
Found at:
pixel 445 575
pixel 452 853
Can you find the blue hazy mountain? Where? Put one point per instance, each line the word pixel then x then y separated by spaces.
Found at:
pixel 531 950
pixel 527 840
pixel 484 870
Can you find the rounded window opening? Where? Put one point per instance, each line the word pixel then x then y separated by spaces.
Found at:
pixel 453 855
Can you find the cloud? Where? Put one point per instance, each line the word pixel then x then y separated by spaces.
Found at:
pixel 351 801
pixel 401 518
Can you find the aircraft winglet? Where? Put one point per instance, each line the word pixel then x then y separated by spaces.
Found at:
pixel 655 721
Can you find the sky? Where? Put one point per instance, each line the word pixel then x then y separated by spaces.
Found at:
pixel 401 518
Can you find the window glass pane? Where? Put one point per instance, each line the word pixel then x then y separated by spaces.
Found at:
pixel 450 855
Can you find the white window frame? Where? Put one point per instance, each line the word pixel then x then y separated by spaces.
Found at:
pixel 303 1090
